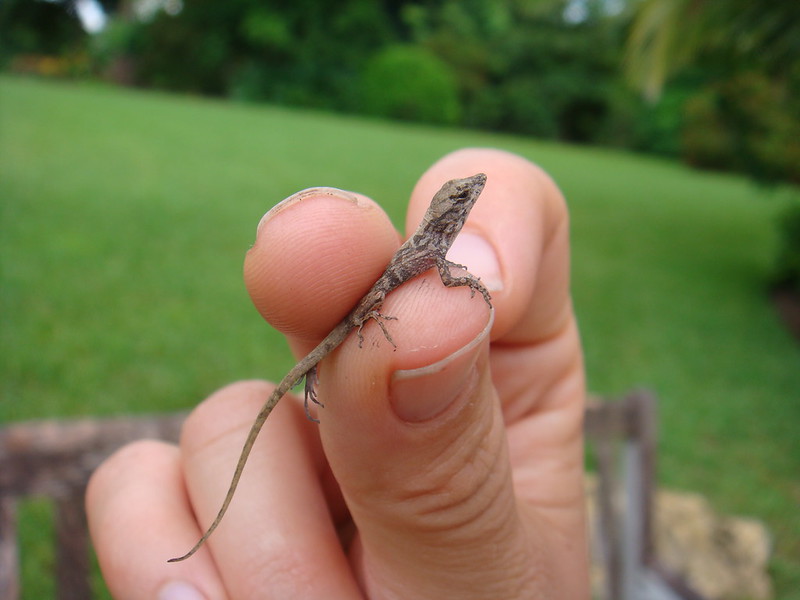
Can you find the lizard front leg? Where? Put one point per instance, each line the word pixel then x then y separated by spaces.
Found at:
pixel 468 279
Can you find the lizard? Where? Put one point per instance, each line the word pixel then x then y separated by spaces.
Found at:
pixel 425 249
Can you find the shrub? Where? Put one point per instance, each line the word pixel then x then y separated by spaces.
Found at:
pixel 788 267
pixel 745 123
pixel 706 140
pixel 410 83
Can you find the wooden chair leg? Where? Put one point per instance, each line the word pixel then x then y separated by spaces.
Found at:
pixel 72 556
pixel 9 558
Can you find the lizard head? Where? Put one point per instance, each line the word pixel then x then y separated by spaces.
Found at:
pixel 451 205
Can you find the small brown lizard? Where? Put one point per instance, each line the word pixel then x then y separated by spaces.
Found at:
pixel 424 250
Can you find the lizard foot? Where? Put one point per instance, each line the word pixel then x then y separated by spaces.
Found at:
pixel 376 316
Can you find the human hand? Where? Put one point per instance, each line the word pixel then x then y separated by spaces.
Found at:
pixel 450 467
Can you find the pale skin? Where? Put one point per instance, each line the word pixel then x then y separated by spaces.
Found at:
pixel 459 481
pixel 423 251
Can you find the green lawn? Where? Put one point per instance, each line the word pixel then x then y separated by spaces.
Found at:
pixel 126 215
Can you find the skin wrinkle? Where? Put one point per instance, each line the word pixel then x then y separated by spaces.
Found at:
pixel 514 565
pixel 444 459
pixel 478 506
pixel 455 466
pixel 445 495
pixel 287 576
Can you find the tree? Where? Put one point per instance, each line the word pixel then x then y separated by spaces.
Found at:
pixel 746 56
pixel 744 60
pixel 300 52
pixel 521 66
pixel 36 27
pixel 667 36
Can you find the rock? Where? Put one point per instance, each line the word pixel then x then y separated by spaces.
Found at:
pixel 721 557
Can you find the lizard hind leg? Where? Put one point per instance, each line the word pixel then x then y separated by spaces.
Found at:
pixel 468 279
pixel 376 316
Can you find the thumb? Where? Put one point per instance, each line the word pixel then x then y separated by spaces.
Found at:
pixel 415 438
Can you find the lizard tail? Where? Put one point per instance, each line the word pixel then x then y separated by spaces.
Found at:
pixel 292 379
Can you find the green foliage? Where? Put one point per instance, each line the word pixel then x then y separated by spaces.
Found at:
pixel 518 105
pixel 126 217
pixel 788 264
pixel 668 35
pixel 743 114
pixel 113 50
pixel 250 82
pixel 707 142
pixel 118 38
pixel 28 27
pixel 267 29
pixel 410 83
pixel 303 53
pixel 524 69
pixel 745 123
pixel 654 127
pixel 175 56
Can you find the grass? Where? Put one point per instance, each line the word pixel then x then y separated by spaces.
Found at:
pixel 125 217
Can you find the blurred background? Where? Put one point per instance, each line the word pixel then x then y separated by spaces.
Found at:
pixel 142 140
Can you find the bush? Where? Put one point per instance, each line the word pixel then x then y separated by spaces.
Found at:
pixel 707 141
pixel 250 83
pixel 410 83
pixel 788 268
pixel 114 50
pixel 526 109
pixel 656 126
pixel 745 123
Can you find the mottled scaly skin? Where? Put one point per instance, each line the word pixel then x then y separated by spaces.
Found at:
pixel 424 250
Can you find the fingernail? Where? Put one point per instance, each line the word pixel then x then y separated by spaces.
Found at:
pixel 479 256
pixel 179 590
pixel 421 394
pixel 295 198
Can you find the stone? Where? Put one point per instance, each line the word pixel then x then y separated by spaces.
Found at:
pixel 721 557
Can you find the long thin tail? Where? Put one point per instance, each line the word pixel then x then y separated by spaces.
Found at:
pixel 292 379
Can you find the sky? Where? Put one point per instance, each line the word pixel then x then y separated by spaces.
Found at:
pixel 91 14
pixel 577 11
pixel 93 18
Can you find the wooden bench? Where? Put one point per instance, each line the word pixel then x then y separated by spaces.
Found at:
pixel 54 459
